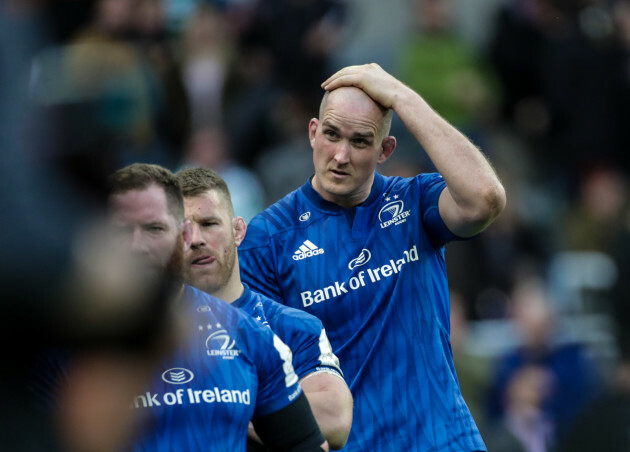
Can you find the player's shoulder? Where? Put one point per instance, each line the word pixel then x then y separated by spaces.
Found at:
pixel 391 183
pixel 286 214
pixel 279 313
pixel 429 179
pixel 224 316
pixel 399 193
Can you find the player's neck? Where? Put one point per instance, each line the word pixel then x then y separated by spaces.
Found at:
pixel 230 292
pixel 343 200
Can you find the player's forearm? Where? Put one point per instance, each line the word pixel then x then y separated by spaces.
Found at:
pixel 472 182
pixel 292 428
pixel 333 412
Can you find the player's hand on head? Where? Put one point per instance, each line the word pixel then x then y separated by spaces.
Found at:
pixel 371 78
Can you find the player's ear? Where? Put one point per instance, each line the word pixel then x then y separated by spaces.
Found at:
pixel 387 149
pixel 312 130
pixel 240 228
pixel 187 234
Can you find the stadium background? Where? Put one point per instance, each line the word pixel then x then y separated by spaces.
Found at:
pixel 542 86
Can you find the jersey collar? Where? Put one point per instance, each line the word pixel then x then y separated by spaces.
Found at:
pixel 242 300
pixel 321 203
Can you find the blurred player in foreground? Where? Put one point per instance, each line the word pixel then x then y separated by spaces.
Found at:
pixel 229 368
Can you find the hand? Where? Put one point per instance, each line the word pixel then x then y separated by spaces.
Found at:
pixel 371 78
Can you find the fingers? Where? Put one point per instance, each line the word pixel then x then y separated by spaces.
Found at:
pixel 344 77
pixel 352 76
pixel 370 78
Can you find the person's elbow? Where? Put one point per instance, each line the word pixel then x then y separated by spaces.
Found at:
pixel 487 203
pixel 468 215
pixel 332 405
pixel 492 203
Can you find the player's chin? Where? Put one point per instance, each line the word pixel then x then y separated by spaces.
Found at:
pixel 340 188
pixel 193 276
pixel 205 280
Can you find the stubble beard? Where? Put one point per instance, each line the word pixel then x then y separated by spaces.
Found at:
pixel 219 278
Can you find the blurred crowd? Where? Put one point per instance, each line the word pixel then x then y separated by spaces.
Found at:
pixel 540 318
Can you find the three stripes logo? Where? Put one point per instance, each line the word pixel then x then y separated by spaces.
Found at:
pixel 307 249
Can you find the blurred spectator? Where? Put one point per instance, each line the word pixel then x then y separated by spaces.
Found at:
pixel 209 148
pixel 472 369
pixel 435 60
pixel 603 423
pixel 621 16
pixel 208 49
pixel 287 165
pixel 595 219
pixel 301 36
pixel 517 245
pixel 563 79
pixel 525 426
pixel 249 95
pixel 403 165
pixel 515 50
pixel 620 293
pixel 285 51
pixel 373 32
pixel 572 377
pixel 170 106
pixel 102 78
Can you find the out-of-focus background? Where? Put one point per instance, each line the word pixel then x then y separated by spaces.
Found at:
pixel 539 300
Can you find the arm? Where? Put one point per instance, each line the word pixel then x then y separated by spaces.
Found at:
pixel 282 419
pixel 331 402
pixel 292 428
pixel 474 196
pixel 317 367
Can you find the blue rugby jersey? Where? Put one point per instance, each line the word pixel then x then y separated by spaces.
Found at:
pixel 303 333
pixel 230 369
pixel 377 281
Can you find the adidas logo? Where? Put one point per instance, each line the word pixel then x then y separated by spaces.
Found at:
pixel 307 249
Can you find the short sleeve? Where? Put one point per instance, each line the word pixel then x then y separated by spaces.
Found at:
pixel 430 187
pixel 277 381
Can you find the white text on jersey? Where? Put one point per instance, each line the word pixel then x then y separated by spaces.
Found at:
pixel 192 396
pixel 307 249
pixel 374 274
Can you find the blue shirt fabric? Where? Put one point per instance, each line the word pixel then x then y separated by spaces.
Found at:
pixel 230 369
pixel 303 333
pixel 377 281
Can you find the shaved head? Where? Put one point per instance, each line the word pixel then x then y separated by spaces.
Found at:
pixel 360 101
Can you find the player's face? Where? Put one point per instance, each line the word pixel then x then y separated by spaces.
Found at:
pixel 210 263
pixel 346 147
pixel 142 224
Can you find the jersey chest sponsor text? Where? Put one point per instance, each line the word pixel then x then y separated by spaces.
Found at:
pixel 371 275
pixel 191 396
